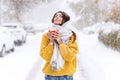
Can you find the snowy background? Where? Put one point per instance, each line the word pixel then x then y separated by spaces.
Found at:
pixel 95 60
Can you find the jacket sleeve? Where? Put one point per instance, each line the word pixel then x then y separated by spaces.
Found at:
pixel 69 51
pixel 46 49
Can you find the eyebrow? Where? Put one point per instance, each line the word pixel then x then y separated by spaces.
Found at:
pixel 60 15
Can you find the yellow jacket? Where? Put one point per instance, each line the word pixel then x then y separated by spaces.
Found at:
pixel 68 53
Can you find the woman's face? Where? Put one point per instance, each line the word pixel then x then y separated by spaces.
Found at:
pixel 58 19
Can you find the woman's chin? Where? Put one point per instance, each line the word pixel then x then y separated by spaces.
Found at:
pixel 57 23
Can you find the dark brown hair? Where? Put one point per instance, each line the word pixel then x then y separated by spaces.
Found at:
pixel 65 17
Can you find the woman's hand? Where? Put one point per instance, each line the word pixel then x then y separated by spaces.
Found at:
pixel 50 36
pixel 54 35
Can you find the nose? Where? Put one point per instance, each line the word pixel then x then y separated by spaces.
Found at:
pixel 57 17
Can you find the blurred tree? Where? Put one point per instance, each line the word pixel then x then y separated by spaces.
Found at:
pixel 114 14
pixel 89 12
pixel 12 10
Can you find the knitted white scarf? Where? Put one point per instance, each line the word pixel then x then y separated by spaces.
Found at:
pixel 57 61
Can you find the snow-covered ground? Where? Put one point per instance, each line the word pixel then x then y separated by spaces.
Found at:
pixel 100 62
pixel 16 65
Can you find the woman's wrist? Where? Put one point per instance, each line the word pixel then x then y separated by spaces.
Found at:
pixel 51 41
pixel 59 40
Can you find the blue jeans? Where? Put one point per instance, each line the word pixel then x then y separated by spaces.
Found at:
pixel 47 77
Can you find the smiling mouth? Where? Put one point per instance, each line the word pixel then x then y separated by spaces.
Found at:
pixel 57 20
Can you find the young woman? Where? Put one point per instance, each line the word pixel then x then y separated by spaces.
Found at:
pixel 59 49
